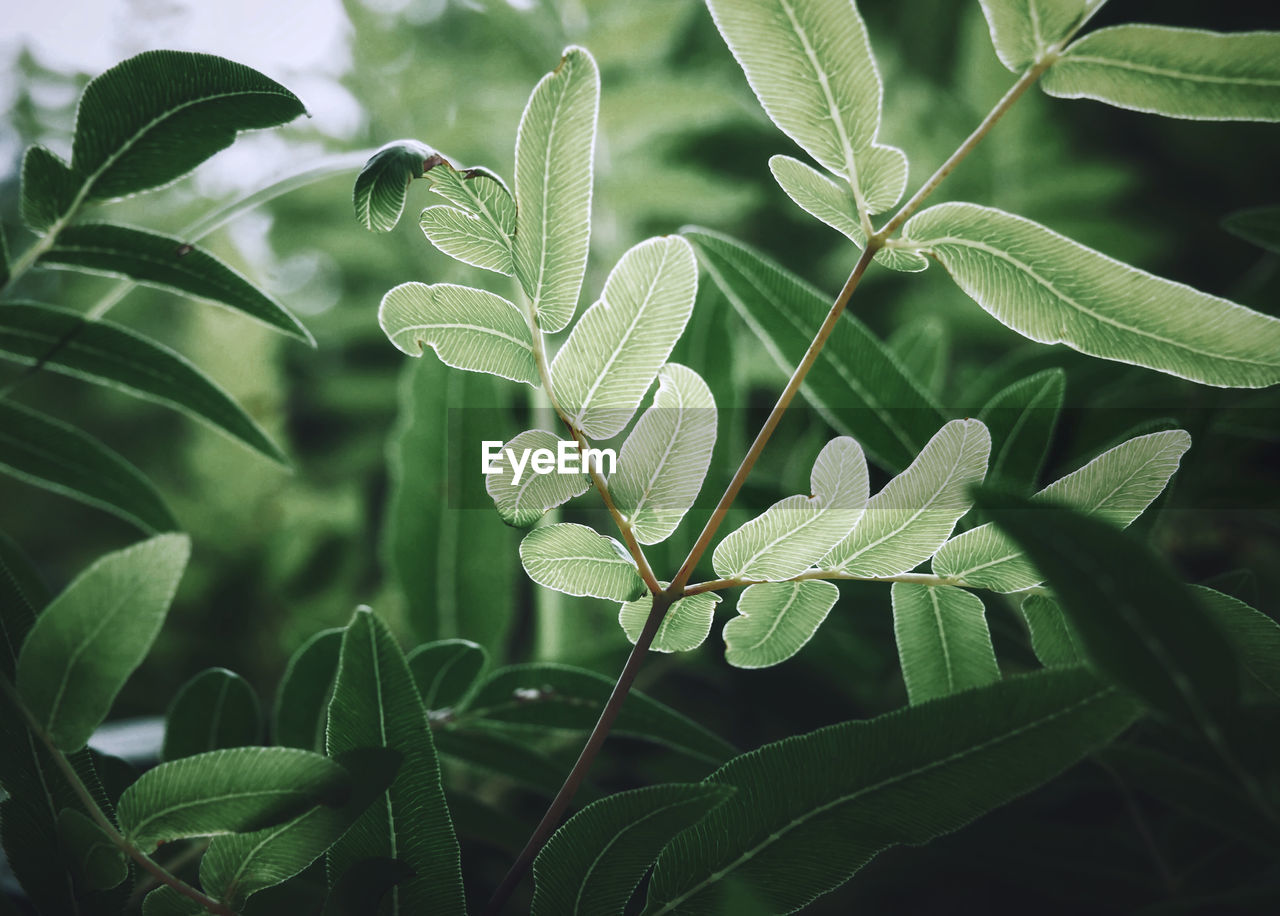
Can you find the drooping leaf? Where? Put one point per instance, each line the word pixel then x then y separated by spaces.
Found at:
pixel 87 642
pixel 49 188
pixel 555 156
pixel 235 790
pixel 215 709
pixel 521 494
pixel 896 783
pixel 382 186
pixel 1259 225
pixel 1254 636
pixel 664 460
pixel 1023 30
pixel 1182 73
pixel 1053 290
pixel 468 328
pixel 101 862
pixel 684 627
pixel 943 641
pixel 922 346
pixel 775 620
pixel 109 354
pixel 606 366
pixel 479 229
pixel 1022 419
pixel 302 699
pixel 446 671
pixel 1137 623
pixel 577 560
pixel 549 696
pixel 834 204
pixel 592 865
pixel 857 383
pixel 375 704
pixel 908 520
pixel 1116 486
pixel 1052 638
pixel 50 454
pixel 796 532
pixel 811 66
pixel 167 263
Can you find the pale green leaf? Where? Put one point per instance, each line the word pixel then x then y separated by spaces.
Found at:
pixel 834 204
pixel 228 791
pixel 915 512
pixel 593 864
pixel 664 460
pixel 87 642
pixel 944 645
pixel 382 186
pixel 215 709
pixel 468 328
pixel 465 238
pixel 775 620
pixel 810 64
pixel 1053 290
pixel 601 374
pixel 446 671
pixel 1051 636
pixel 1022 419
pixel 1117 486
pixel 576 560
pixel 1022 30
pixel 1182 73
pixel 555 156
pixel 684 627
pixel 167 263
pixel 521 494
pixel 478 229
pixel 302 699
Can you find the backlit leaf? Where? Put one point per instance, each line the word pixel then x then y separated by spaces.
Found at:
pixel 383 184
pixel 775 620
pixel 522 495
pixel 576 560
pixel 943 641
pixel 1022 30
pixel 478 230
pixel 215 709
pixel 684 627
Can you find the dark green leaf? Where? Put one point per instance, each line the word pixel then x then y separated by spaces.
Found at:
pixel 106 353
pixel 1022 419
pixel 511 758
pixel 48 188
pixel 375 704
pixel 857 382
pixel 383 184
pixel 1259 225
pixel 363 887
pixel 944 644
pixel 1052 639
pixel 922 347
pixel 302 700
pixel 1254 636
pixel 167 263
pixel 592 865
pixel 88 641
pixel 229 791
pixel 544 695
pixel 101 862
pixel 811 810
pixel 4 258
pixel 215 709
pixel 446 671
pixel 165 901
pixel 50 454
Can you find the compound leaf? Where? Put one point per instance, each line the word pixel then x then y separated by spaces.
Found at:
pixel 944 645
pixel 775 620
pixel 684 627
pixel 215 709
pixel 478 229
pixel 1022 30
pixel 577 560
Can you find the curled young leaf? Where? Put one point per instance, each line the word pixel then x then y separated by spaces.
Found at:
pixel 383 184
pixel 478 230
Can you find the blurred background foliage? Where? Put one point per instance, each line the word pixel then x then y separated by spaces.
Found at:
pixel 384 506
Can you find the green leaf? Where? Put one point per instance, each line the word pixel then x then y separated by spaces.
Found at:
pixel 383 184
pixel 922 346
pixel 1053 290
pixel 167 263
pixel 165 901
pixel 577 560
pixel 1254 636
pixel 1182 73
pixel 1052 638
pixel 545 696
pixel 1259 225
pixel 834 204
pixel 487 748
pixel 684 627
pixel 4 259
pixel 811 66
pixel 943 641
pixel 1023 30
pixel 601 374
pixel 215 709
pixel 1116 486
pixel 479 230
pixel 1022 418
pixel 895 784
pixel 375 704
pixel 664 460
pixel 302 700
pixel 468 328
pixel 555 155
pixel 87 642
pixel 593 864
pixel 102 864
pixel 522 495
pixel 49 188
pixel 235 790
pixel 50 454
pixel 447 671
pixel 796 532
pixel 857 383
pixel 112 355
pixel 908 520
pixel 364 885
pixel 1138 624
pixel 775 620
